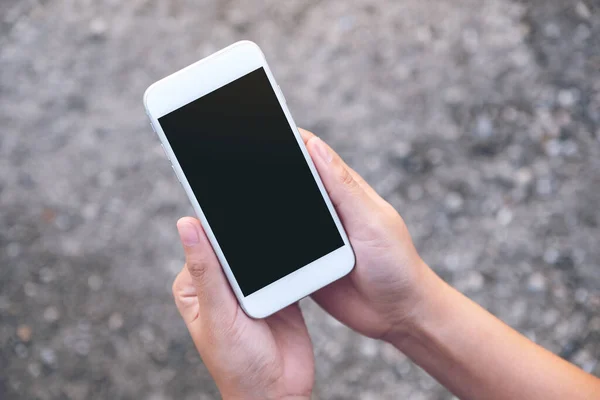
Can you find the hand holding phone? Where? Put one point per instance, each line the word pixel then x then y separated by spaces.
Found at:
pixel 273 357
pixel 391 294
pixel 270 221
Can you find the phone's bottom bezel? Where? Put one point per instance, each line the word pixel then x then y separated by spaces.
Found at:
pixel 299 284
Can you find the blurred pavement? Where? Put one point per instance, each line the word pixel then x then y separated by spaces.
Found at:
pixel 479 120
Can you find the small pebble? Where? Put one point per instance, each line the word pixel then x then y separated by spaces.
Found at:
pixel 562 118
pixel 536 282
pixel 34 369
pixel 427 384
pixel 583 10
pixel 13 250
pixel 147 335
pixel 346 23
pixel 63 222
pixel 567 97
pixel 401 149
pixel 484 129
pixel 89 211
pixel 550 317
pixel 582 357
pixel 452 262
pixel 30 289
pixel 24 333
pixel 433 187
pixel 552 148
pixel 84 326
pixel 474 281
pixel 48 357
pixel 594 324
pixel 48 215
pixel 544 186
pixel 390 354
pixel 578 255
pixel 82 347
pixel 423 34
pixel 518 311
pixel 524 176
pixel 454 95
pixel 582 34
pixel 403 368
pixel 581 295
pixel 21 350
pixel 4 303
pixel 454 202
pixel 333 349
pixel 461 224
pixel 115 321
pixel 95 282
pixel 470 39
pixel 570 148
pixel 552 30
pixel 46 275
pixel 98 28
pixel 551 256
pixel 106 178
pixel 520 58
pixel 415 192
pixel 435 156
pixel 51 314
pixel 504 216
pixel 560 292
pixel 510 114
pixel 368 347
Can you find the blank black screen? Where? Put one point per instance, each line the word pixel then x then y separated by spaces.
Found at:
pixel 250 177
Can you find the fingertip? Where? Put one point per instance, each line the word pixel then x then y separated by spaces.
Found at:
pixel 189 231
pixel 319 151
pixel 306 135
pixel 188 220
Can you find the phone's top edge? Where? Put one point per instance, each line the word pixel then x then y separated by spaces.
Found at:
pixel 201 61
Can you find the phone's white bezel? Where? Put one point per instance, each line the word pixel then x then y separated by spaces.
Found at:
pixel 199 79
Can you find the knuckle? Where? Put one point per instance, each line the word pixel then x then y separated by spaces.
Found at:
pixel 346 178
pixel 197 267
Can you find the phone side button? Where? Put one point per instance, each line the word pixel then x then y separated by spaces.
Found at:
pixel 175 172
pixel 165 151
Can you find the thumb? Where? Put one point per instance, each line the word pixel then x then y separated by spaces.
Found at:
pixel 216 301
pixel 347 194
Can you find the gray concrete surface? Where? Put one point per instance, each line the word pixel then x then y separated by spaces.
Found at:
pixel 478 119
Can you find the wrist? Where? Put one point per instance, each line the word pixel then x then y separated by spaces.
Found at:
pixel 429 300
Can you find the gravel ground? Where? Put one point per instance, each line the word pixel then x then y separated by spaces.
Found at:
pixel 479 120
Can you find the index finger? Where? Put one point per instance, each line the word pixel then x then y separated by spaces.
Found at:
pixel 306 135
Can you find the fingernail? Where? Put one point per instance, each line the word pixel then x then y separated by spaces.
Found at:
pixel 323 151
pixel 188 233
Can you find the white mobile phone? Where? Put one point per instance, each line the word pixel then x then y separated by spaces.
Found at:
pixel 224 124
